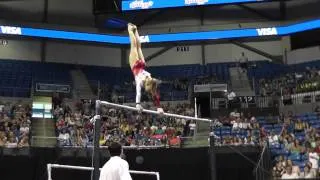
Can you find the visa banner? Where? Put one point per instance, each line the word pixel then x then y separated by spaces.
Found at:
pixel 129 5
pixel 10 30
pixel 160 38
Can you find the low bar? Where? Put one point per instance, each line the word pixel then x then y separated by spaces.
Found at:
pixel 154 112
pixel 60 166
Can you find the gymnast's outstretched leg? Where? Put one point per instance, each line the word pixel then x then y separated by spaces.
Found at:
pixel 133 55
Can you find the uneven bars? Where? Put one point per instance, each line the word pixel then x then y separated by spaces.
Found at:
pixel 153 112
pixel 50 166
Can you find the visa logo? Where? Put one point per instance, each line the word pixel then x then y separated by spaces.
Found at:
pixel 10 30
pixel 267 31
pixel 140 4
pixel 144 39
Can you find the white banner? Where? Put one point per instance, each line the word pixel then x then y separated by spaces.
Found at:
pixel 210 87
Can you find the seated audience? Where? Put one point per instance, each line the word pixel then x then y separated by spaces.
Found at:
pixel 307 173
pixel 299 126
pixel 289 174
pixel 287 84
pixel 124 126
pixel 278 170
pixel 14 125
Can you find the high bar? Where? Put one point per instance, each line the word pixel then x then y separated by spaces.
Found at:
pixel 152 112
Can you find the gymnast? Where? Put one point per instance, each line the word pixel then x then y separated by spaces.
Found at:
pixel 141 76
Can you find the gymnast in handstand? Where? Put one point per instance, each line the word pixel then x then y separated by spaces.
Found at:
pixel 143 78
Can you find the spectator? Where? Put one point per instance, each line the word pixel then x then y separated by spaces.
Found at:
pixel 236 124
pixel 283 162
pixel 24 128
pixel 289 174
pixel 82 138
pixel 3 139
pixel 273 139
pixel 296 148
pixel 243 60
pixel 299 126
pixel 252 118
pixel 245 124
pixel 281 118
pixel 248 141
pixel 64 138
pixel 12 143
pixel 24 142
pixel 317 149
pixel 295 169
pixel 307 173
pixel 313 159
pixel 278 170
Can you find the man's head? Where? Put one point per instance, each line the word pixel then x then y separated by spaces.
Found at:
pixel 115 149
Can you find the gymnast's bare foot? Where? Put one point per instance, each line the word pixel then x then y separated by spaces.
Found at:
pixel 132 27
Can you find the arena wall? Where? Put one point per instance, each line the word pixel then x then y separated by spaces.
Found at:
pixel 231 52
pixel 304 55
pixel 62 52
pixel 175 56
pixel 21 50
pixel 90 54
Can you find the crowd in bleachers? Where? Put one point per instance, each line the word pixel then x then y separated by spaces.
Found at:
pixel 15 125
pixel 129 128
pixel 297 146
pixel 295 82
pixel 240 129
pixel 294 140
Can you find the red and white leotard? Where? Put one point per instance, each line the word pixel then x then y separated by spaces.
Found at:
pixel 140 75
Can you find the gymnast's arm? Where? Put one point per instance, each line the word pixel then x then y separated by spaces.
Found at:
pixel 138 95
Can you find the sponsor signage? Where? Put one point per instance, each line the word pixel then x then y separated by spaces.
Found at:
pixel 129 5
pixel 167 37
pixel 10 30
pixel 210 88
pixel 42 87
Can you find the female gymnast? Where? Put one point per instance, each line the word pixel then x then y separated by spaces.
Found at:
pixel 142 77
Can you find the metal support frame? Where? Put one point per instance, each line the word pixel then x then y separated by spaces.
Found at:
pixel 83 168
pixel 213 160
pixel 158 53
pixel 257 51
pixel 96 148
